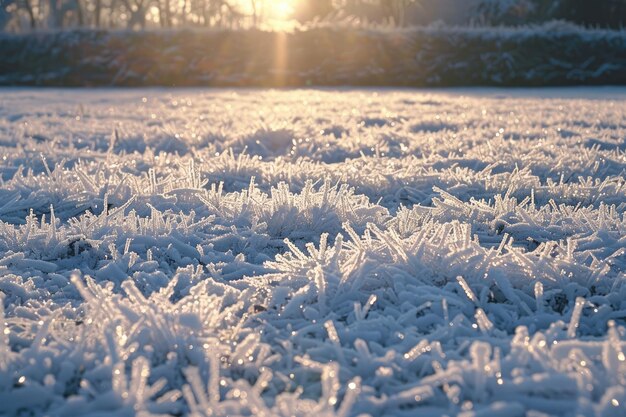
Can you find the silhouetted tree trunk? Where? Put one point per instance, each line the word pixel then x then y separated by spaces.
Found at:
pixel 206 16
pixel 183 13
pixel 137 15
pixel 79 13
pixel 165 14
pixel 55 14
pixel 31 14
pixel 97 12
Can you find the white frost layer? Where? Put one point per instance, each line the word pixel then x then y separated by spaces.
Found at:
pixel 312 252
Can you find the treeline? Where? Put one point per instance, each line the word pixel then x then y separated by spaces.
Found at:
pixel 17 15
pixel 24 15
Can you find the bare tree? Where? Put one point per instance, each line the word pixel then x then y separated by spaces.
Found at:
pixel 97 12
pixel 77 8
pixel 137 11
pixel 165 13
pixel 20 5
pixel 55 16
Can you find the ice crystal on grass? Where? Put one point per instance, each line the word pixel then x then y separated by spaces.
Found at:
pixel 355 253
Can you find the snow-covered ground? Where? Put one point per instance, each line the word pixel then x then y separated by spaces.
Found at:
pixel 313 252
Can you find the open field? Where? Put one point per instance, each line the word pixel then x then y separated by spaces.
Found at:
pixel 313 252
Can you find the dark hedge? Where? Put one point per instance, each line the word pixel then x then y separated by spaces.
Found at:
pixel 548 55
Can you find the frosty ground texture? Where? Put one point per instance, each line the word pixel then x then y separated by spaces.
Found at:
pixel 312 253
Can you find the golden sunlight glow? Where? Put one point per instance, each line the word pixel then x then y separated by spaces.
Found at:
pixel 277 14
pixel 282 9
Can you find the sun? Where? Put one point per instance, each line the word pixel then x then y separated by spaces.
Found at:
pixel 282 9
pixel 274 14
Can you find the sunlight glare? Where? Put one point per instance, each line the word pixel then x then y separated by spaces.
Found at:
pixel 276 14
pixel 282 9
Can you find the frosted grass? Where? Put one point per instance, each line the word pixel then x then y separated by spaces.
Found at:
pixel 313 252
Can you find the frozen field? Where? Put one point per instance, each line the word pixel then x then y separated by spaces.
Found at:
pixel 313 253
